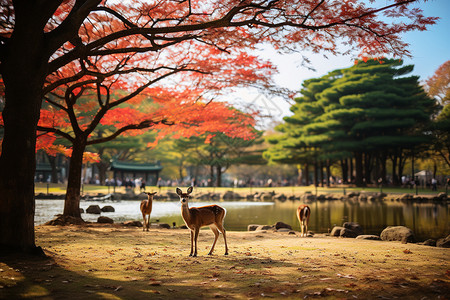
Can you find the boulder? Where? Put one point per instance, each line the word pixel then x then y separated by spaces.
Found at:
pixel 132 223
pixel 442 196
pixel 368 237
pixel 264 227
pixel 105 220
pixel 281 197
pixel 398 233
pixel 280 225
pixel 252 227
pixel 347 233
pixel 164 226
pixel 284 230
pixel 443 243
pixel 108 208
pixel 355 227
pixel 94 209
pixel 307 197
pixel 429 242
pixel 407 197
pixel 336 231
pixel 230 195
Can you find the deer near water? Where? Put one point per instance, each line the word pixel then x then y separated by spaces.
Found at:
pixel 146 209
pixel 303 213
pixel 197 217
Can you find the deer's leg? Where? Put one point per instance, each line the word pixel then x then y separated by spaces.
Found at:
pixel 306 227
pixel 222 229
pixel 144 225
pixel 196 232
pixel 148 222
pixel 216 236
pixel 192 243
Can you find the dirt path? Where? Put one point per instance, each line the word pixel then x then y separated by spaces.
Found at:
pixel 113 262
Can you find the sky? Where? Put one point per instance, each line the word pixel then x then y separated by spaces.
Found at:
pixel 429 50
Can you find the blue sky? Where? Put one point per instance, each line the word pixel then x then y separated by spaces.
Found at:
pixel 429 50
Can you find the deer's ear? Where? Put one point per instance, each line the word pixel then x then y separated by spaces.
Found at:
pixel 179 192
pixel 154 193
pixel 189 190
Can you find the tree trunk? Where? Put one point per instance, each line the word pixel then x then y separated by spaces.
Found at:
pixel 359 169
pixel 72 201
pixel 307 174
pixel 395 179
pixel 219 176
pixel 52 161
pixel 23 72
pixel 328 168
pixel 344 168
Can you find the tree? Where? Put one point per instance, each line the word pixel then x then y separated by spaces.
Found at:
pixel 38 39
pixel 367 112
pixel 438 86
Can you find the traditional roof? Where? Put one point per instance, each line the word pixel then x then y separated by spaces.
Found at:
pixel 135 167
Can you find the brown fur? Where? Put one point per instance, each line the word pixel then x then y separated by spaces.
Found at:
pixel 303 214
pixel 146 209
pixel 197 217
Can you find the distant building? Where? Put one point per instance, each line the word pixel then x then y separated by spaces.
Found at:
pixel 148 172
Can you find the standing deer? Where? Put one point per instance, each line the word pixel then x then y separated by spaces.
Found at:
pixel 303 213
pixel 197 217
pixel 146 209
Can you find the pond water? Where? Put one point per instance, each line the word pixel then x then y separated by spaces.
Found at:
pixel 427 220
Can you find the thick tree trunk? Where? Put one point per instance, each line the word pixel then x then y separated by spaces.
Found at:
pixel 344 168
pixel 72 201
pixel 23 72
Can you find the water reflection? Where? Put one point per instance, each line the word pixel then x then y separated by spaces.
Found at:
pixel 427 220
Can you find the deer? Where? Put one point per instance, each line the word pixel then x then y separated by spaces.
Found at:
pixel 146 209
pixel 197 217
pixel 303 213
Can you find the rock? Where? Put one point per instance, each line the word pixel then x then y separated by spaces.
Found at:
pixel 407 197
pixel 230 195
pixel 164 226
pixel 280 225
pixel 355 227
pixel 103 219
pixel 443 243
pixel 284 230
pixel 108 208
pixel 94 209
pixel 132 223
pixel 65 220
pixel 264 227
pixel 442 196
pixel 398 233
pixel 252 227
pixel 368 237
pixel 183 227
pixel 307 197
pixel 347 233
pixel 429 242
pixel 336 231
pixel 281 197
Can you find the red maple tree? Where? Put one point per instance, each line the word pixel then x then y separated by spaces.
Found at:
pixel 40 39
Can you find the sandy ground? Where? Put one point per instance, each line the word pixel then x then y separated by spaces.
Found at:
pixel 113 262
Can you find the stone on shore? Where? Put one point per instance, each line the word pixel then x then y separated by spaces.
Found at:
pixel 398 233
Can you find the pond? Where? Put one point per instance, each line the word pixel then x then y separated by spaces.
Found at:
pixel 427 220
